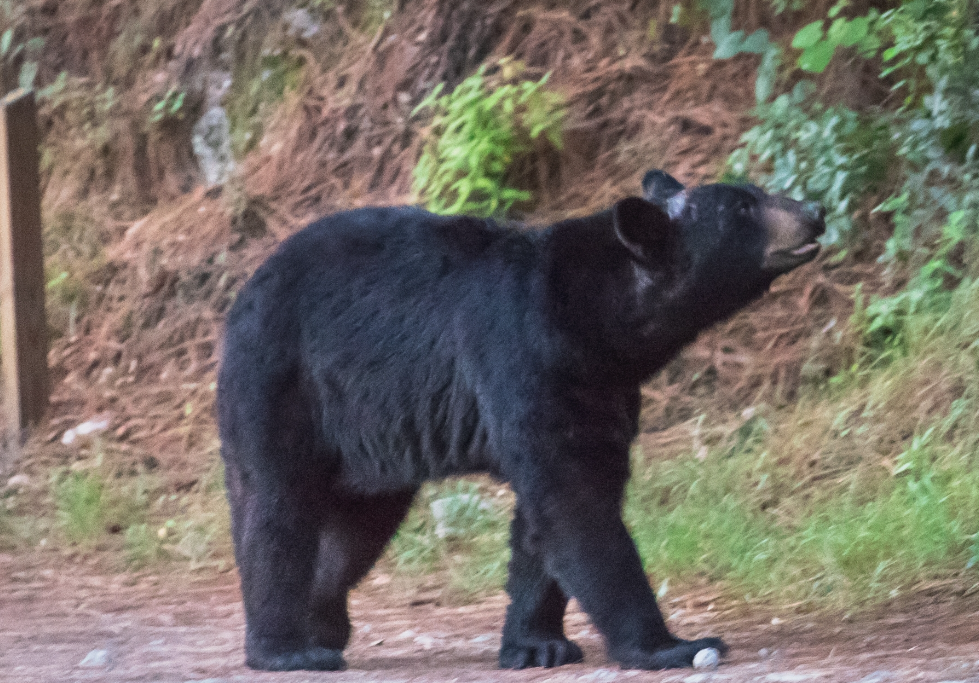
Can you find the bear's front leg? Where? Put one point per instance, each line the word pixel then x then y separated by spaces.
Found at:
pixel 533 634
pixel 586 546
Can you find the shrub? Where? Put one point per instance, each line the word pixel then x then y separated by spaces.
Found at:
pixel 478 132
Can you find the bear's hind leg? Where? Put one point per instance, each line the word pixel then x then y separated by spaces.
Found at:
pixel 353 535
pixel 533 634
pixel 275 545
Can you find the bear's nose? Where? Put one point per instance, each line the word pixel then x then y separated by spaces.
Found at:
pixel 816 213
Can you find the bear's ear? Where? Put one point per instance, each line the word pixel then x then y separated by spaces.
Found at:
pixel 644 229
pixel 663 190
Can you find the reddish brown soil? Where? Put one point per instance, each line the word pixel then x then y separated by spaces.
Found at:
pixel 633 105
pixel 185 627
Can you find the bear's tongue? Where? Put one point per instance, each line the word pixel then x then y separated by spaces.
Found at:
pixel 805 249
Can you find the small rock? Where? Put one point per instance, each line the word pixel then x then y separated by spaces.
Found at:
pixel 764 653
pixel 877 677
pixel 96 659
pixel 211 141
pixel 300 22
pixel 444 509
pixel 18 481
pixel 427 642
pixel 708 658
pixel 698 678
pixel 97 424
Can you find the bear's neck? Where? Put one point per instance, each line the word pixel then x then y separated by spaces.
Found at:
pixel 619 326
pixel 621 321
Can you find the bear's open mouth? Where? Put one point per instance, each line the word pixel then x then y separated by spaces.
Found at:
pixel 784 260
pixel 806 249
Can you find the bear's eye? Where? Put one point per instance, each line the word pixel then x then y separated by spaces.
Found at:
pixel 743 208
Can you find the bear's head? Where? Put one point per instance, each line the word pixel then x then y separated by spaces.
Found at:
pixel 715 247
pixel 696 256
pixel 726 219
pixel 638 282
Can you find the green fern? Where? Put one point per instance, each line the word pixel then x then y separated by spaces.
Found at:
pixel 477 133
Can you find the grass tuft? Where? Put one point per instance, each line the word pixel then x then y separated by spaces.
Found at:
pixel 865 487
pixel 460 528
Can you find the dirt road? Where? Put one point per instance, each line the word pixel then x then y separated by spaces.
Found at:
pixel 186 627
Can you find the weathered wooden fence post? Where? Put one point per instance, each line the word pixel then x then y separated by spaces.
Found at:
pixel 23 323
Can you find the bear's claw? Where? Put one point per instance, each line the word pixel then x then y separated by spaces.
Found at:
pixel 546 652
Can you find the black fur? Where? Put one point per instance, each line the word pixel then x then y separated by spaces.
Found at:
pixel 384 347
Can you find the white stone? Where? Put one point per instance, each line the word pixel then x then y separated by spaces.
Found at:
pixel 95 659
pixel 877 677
pixel 708 658
pixel 93 426
pixel 300 22
pixel 427 642
pixel 18 481
pixel 211 141
pixel 443 509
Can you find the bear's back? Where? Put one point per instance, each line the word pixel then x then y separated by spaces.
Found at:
pixel 391 322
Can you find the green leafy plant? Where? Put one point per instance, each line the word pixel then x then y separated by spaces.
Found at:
pixel 819 43
pixel 169 106
pixel 478 132
pixel 26 54
pixel 927 38
pixel 933 49
pixel 809 151
pixel 80 500
pixel 925 149
pixel 883 322
pixel 91 503
pixel 729 43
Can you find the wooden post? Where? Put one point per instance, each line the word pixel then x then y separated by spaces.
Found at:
pixel 23 323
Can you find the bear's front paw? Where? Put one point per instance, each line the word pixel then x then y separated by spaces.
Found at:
pixel 546 652
pixel 674 656
pixel 310 658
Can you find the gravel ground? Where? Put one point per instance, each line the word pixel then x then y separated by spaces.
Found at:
pixel 68 621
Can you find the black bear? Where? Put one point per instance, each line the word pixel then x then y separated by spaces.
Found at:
pixel 383 347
